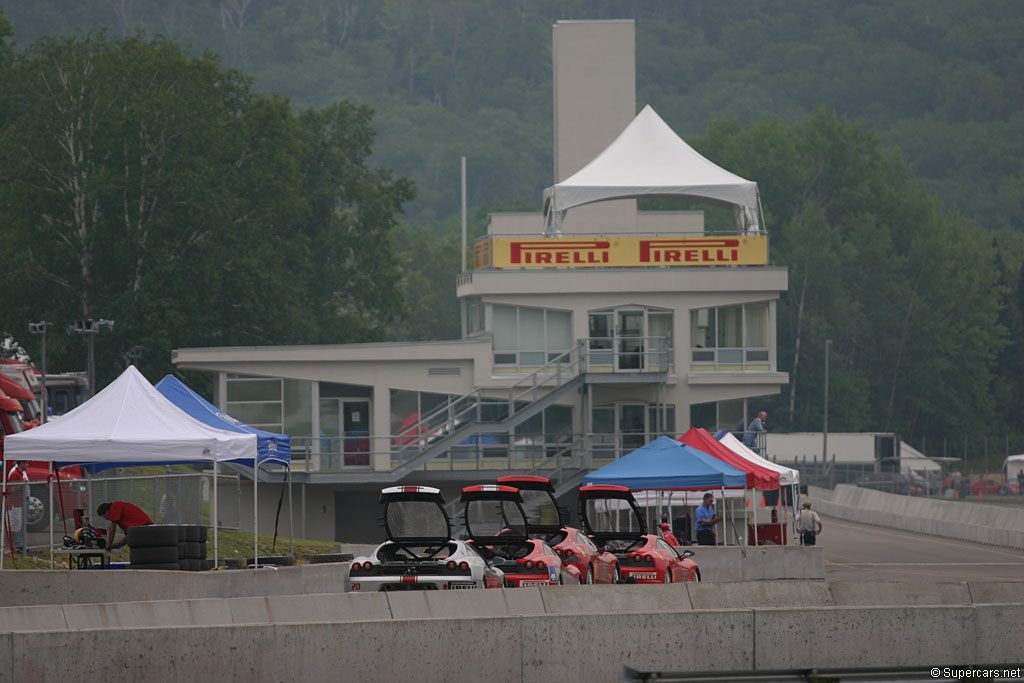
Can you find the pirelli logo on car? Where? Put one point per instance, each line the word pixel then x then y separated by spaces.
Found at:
pixel 622 251
pixel 462 585
pixel 644 575
pixel 529 584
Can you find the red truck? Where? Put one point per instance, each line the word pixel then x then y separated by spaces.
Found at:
pixel 72 485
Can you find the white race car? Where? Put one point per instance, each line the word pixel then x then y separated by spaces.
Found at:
pixel 419 553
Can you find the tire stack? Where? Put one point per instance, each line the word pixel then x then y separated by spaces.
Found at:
pixel 154 546
pixel 168 546
pixel 192 548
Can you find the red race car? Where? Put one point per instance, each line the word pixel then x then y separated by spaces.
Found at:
pixel 610 516
pixel 497 527
pixel 545 518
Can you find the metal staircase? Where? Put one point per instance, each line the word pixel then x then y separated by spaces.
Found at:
pixel 476 413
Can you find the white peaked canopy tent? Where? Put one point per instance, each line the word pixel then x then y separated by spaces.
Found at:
pixel 787 475
pixel 649 159
pixel 128 423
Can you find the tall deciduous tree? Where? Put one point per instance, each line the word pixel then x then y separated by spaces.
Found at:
pixel 157 189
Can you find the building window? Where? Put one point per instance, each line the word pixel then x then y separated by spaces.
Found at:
pixel 731 338
pixel 474 312
pixel 526 338
pixel 256 401
pixel 630 339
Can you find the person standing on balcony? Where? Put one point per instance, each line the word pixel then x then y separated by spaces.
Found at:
pixel 751 436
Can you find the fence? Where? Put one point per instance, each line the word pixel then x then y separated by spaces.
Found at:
pixel 173 498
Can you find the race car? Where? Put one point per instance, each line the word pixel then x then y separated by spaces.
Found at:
pixel 610 517
pixel 419 553
pixel 544 516
pixel 497 527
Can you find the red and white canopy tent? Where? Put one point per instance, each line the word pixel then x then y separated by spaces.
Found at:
pixel 758 476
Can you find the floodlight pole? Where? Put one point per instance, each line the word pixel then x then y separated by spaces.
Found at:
pixel 40 329
pixel 824 431
pixel 90 328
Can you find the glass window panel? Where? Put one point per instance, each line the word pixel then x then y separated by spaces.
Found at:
pixel 756 319
pixel 256 413
pixel 600 327
pixel 504 332
pixel 253 390
pixel 665 418
pixel 660 325
pixel 429 401
pixel 558 423
pixel 403 404
pixel 702 328
pixel 730 327
pixel 730 356
pixel 757 356
pixel 531 427
pixel 531 358
pixel 504 359
pixel 298 406
pixel 330 421
pixel 603 418
pixel 703 415
pixel 704 356
pixel 730 415
pixel 559 330
pixel 531 328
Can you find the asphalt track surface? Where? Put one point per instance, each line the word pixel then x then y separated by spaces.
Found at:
pixel 859 552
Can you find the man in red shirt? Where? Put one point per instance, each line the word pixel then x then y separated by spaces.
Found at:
pixel 124 515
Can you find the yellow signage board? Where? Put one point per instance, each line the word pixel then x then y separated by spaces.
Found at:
pixel 622 251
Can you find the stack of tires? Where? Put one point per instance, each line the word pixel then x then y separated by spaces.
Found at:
pixel 154 546
pixel 168 546
pixel 192 548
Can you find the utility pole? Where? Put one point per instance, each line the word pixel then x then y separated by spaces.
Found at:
pixel 90 328
pixel 40 329
pixel 824 430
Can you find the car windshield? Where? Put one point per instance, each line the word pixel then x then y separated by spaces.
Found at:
pixel 540 508
pixel 493 518
pixel 416 519
pixel 611 516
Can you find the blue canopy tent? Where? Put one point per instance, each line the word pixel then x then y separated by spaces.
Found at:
pixel 270 447
pixel 668 465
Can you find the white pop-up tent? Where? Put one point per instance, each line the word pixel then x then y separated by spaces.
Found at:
pixel 787 475
pixel 129 423
pixel 648 159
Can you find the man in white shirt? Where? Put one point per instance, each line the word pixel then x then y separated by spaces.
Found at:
pixel 809 524
pixel 17 503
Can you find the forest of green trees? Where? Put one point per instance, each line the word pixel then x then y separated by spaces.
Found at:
pixel 887 140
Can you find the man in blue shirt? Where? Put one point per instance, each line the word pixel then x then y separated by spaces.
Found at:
pixel 706 521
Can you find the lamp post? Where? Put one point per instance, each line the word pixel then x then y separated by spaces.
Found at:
pixel 824 439
pixel 133 355
pixel 90 328
pixel 40 329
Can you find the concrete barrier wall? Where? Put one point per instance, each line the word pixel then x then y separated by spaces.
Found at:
pixel 524 602
pixel 59 587
pixel 979 523
pixel 590 646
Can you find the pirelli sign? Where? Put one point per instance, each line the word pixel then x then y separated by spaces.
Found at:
pixel 621 251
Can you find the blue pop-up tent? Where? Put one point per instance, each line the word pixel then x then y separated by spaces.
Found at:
pixel 668 465
pixel 270 447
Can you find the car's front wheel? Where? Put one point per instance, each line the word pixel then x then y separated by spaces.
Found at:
pixel 590 575
pixel 35 513
pixel 668 575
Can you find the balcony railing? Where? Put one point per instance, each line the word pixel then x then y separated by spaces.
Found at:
pixel 730 360
pixel 629 354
